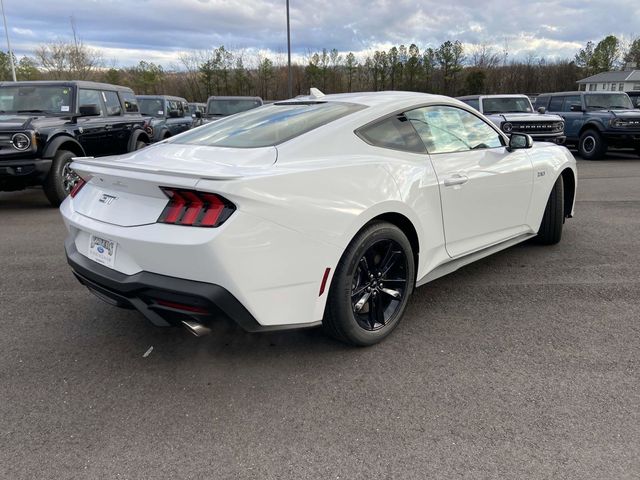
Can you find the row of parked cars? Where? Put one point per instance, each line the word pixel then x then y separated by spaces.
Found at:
pixel 43 125
pixel 589 121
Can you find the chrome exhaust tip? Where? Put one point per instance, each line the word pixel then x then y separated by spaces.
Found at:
pixel 196 328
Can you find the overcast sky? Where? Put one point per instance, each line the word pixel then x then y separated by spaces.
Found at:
pixel 160 30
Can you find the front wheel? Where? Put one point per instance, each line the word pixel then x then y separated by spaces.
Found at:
pixel 371 286
pixel 61 178
pixel 591 145
pixel 140 144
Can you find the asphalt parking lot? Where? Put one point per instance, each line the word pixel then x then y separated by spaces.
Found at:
pixel 525 365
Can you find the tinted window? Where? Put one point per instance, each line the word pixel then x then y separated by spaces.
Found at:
pixel 130 102
pixel 39 98
pixel 393 132
pixel 607 100
pixel 571 100
pixel 112 103
pixel 268 125
pixel 475 103
pixel 541 101
pixel 91 97
pixel 450 129
pixel 555 105
pixel 221 107
pixel 153 107
pixel 506 105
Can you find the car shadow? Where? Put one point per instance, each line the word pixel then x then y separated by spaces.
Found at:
pixel 31 198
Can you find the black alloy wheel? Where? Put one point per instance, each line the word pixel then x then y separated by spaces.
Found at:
pixel 379 285
pixel 371 285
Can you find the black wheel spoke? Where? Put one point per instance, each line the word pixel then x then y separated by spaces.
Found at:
pixel 376 299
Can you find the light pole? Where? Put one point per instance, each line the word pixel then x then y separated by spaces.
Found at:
pixel 6 31
pixel 289 79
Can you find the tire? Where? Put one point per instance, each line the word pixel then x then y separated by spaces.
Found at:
pixel 550 231
pixel 591 145
pixel 383 248
pixel 61 179
pixel 638 151
pixel 140 144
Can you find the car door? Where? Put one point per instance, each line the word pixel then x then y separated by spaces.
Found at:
pixel 118 127
pixel 485 190
pixel 573 120
pixel 92 136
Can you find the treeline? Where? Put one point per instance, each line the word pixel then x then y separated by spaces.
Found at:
pixel 447 69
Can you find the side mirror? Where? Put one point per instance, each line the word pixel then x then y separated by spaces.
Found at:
pixel 198 114
pixel 576 107
pixel 174 113
pixel 542 110
pixel 89 110
pixel 519 141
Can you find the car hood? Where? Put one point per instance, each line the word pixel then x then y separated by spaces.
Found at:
pixel 27 122
pixel 626 114
pixel 216 163
pixel 528 117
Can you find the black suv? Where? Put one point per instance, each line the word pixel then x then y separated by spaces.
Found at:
pixel 43 125
pixel 169 115
pixel 595 121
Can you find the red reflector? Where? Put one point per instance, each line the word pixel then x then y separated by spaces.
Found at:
pixel 181 306
pixel 77 187
pixel 325 277
pixel 193 208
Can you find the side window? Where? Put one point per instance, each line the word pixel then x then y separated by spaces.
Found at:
pixel 90 97
pixel 555 105
pixel 130 102
pixel 185 108
pixel 112 102
pixel 541 101
pixel 447 129
pixel 570 100
pixel 394 132
pixel 475 103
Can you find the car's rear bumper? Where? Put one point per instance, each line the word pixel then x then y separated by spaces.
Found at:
pixel 162 299
pixel 19 173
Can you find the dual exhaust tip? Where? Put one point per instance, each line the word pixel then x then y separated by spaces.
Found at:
pixel 197 329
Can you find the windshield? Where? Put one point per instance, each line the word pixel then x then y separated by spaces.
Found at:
pixel 607 101
pixel 36 99
pixel 223 107
pixel 153 107
pixel 506 105
pixel 268 125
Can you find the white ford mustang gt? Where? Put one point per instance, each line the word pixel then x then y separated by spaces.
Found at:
pixel 321 210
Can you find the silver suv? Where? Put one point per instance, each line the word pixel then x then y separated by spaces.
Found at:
pixel 515 114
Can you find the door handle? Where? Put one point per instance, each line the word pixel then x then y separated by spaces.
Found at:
pixel 108 127
pixel 455 179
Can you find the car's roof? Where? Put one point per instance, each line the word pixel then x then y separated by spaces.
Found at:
pixel 232 97
pixel 166 97
pixel 501 95
pixel 78 83
pixel 377 99
pixel 576 92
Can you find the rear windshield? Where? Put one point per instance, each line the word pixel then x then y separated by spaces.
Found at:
pixel 268 125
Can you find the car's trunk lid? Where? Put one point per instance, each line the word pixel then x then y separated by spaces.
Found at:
pixel 126 190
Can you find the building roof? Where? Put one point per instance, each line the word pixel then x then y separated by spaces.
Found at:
pixel 615 76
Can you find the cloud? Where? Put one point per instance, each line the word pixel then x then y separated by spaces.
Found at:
pixel 161 30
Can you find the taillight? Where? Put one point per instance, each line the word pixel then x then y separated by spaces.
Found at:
pixel 77 187
pixel 195 209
